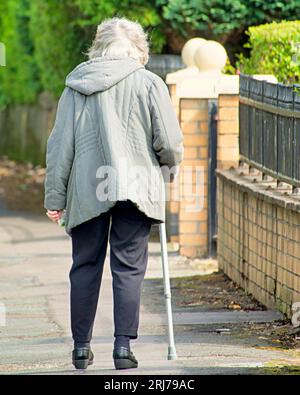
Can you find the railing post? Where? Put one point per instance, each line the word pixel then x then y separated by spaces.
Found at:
pixel 276 132
pixel 248 119
pixel 263 114
pixel 295 156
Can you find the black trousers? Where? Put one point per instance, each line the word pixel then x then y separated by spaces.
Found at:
pixel 128 232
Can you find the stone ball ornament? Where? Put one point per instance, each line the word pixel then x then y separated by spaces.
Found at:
pixel 210 56
pixel 189 49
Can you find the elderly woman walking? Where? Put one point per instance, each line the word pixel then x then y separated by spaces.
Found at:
pixel 114 142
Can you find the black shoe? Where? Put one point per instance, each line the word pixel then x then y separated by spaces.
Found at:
pixel 82 357
pixel 124 358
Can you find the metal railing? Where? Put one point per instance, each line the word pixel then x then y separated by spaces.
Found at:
pixel 269 116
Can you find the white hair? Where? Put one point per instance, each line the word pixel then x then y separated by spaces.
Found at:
pixel 120 37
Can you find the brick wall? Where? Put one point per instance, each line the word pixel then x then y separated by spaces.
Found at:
pixel 259 240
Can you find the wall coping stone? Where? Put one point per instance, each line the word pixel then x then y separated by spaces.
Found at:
pixel 261 189
pixel 194 84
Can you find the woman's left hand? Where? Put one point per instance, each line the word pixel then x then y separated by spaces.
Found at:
pixel 54 215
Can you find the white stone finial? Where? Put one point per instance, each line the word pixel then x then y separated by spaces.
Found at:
pixel 211 56
pixel 189 49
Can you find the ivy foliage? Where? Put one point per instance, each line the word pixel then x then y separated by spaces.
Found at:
pixel 215 18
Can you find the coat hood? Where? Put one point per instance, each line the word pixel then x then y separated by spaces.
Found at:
pixel 101 73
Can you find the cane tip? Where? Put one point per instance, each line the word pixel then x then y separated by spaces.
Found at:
pixel 172 355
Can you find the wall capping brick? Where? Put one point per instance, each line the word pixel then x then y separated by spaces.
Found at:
pixel 247 185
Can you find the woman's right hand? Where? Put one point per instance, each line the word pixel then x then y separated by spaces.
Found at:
pixel 54 215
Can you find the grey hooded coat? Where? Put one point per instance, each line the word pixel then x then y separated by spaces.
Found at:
pixel 115 130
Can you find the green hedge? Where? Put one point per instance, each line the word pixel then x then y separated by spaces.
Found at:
pixel 58 41
pixel 19 81
pixel 274 50
pixel 45 39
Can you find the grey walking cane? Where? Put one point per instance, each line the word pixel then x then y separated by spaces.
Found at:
pixel 167 290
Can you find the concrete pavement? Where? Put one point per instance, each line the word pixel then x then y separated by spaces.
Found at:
pixel 35 257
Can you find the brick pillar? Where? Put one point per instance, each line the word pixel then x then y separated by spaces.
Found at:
pixel 228 131
pixel 193 224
